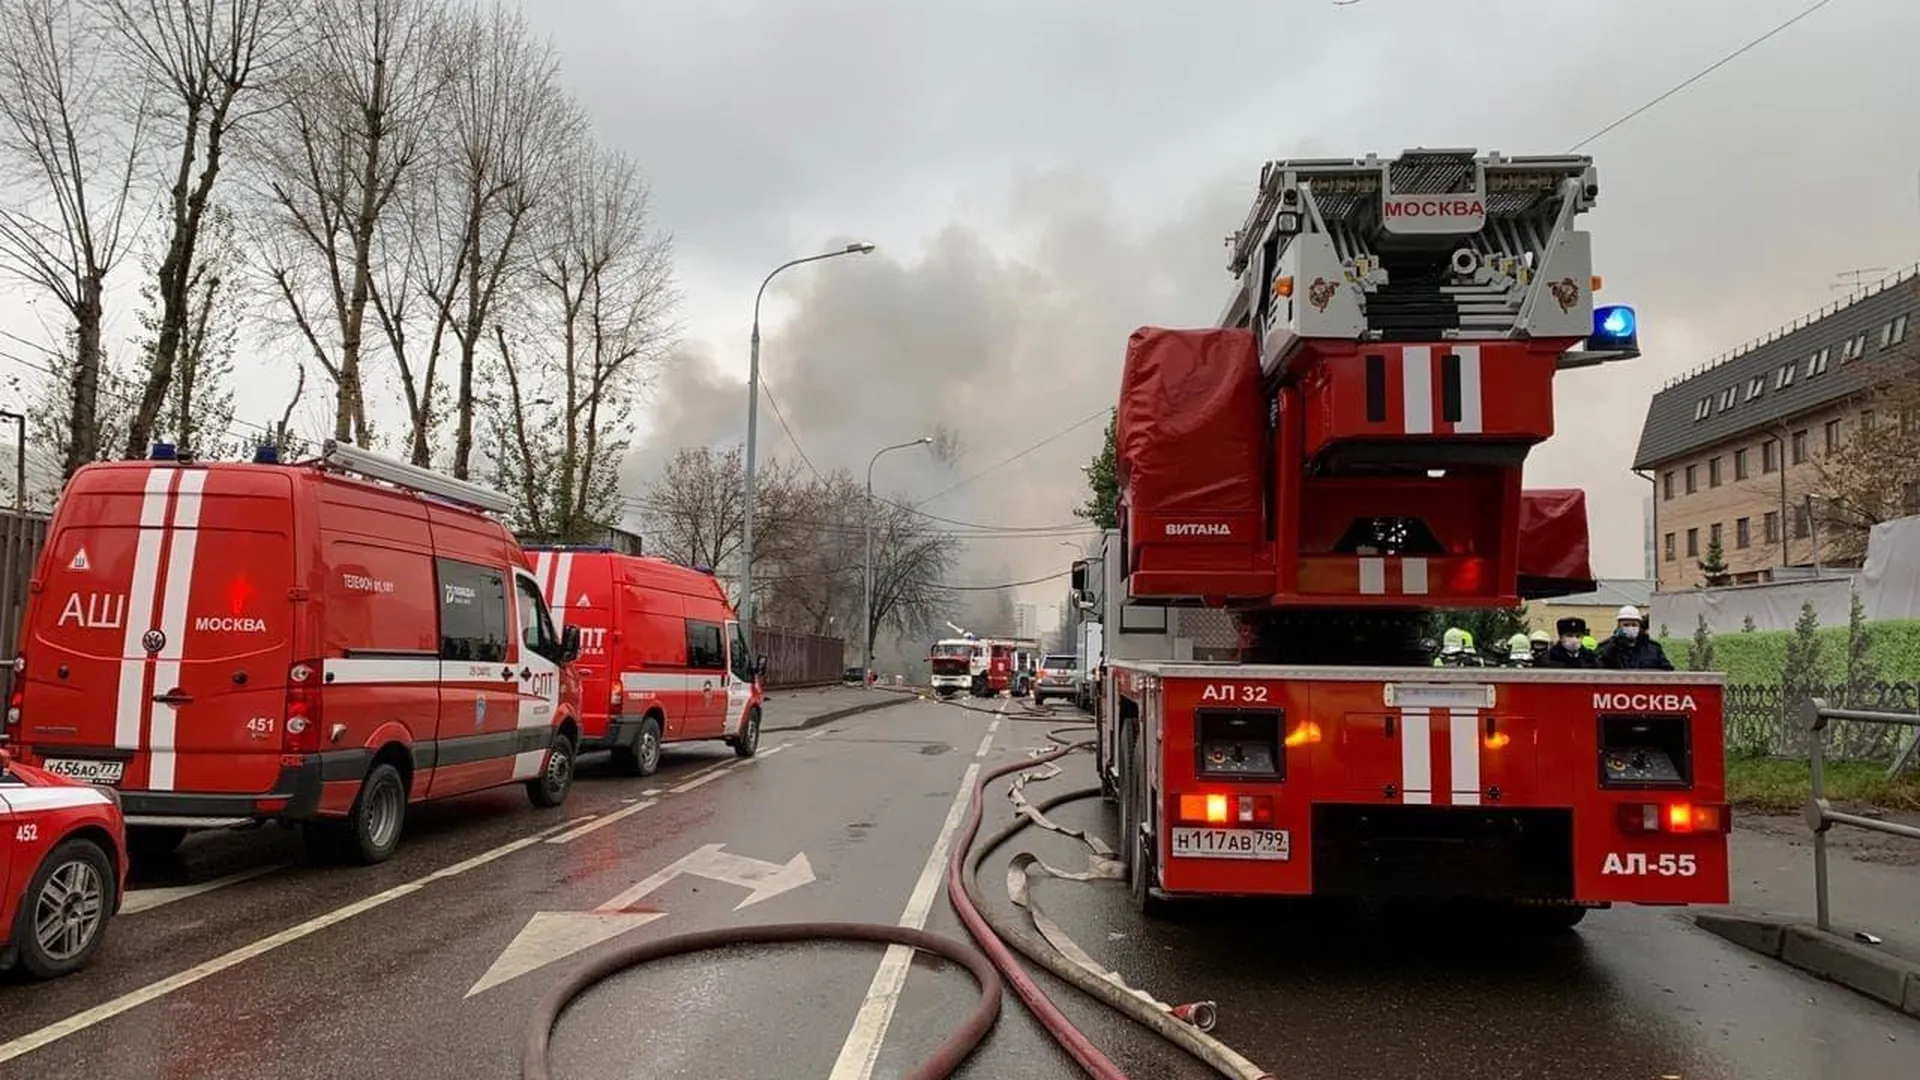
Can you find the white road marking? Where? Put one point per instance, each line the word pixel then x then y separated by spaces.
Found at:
pixel 652 791
pixel 581 830
pixel 709 777
pixel 861 1051
pixel 986 744
pixel 139 900
pixel 133 999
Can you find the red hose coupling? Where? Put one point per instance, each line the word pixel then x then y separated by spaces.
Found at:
pixel 1201 1014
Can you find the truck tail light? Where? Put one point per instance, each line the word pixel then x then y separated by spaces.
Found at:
pixel 616 696
pixel 1216 808
pixel 13 712
pixel 301 729
pixel 1676 817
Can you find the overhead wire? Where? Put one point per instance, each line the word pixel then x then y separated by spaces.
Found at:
pixel 1701 74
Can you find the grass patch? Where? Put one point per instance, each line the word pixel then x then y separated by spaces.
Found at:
pixel 1762 785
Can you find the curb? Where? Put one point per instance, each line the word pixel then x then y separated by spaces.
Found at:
pixel 838 714
pixel 1890 980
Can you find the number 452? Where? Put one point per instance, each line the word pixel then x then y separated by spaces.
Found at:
pixel 27 834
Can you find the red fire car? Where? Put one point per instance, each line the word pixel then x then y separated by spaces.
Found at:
pixel 62 869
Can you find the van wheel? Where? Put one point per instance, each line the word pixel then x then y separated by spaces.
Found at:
pixel 550 788
pixel 372 829
pixel 148 845
pixel 63 916
pixel 643 757
pixel 747 743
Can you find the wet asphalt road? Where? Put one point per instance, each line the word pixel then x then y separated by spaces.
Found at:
pixel 367 972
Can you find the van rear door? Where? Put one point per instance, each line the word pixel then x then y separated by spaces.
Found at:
pixel 578 587
pixel 162 633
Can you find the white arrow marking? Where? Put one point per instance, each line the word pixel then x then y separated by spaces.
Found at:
pixel 555 935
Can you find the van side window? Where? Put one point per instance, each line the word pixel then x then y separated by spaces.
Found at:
pixel 473 612
pixel 742 655
pixel 536 625
pixel 704 649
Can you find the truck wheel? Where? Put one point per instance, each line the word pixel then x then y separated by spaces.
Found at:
pixel 1140 880
pixel 1547 918
pixel 643 757
pixel 371 832
pixel 63 916
pixel 550 788
pixel 747 743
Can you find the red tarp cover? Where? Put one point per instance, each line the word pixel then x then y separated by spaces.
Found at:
pixel 1191 422
pixel 1553 540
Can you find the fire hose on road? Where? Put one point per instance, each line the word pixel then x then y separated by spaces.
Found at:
pixel 1182 1025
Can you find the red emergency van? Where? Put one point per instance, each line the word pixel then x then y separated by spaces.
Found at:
pixel 324 643
pixel 662 656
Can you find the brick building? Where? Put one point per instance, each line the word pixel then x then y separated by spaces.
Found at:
pixel 1731 446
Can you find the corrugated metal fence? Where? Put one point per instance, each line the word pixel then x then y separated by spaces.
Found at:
pixel 21 536
pixel 796 659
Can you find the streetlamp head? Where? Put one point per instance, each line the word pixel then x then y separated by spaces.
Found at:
pixel 925 439
pixel 861 248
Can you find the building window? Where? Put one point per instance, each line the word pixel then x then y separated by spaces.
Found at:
pixel 1740 464
pixel 1769 455
pixel 1727 397
pixel 1771 526
pixel 1693 479
pixel 1802 522
pixel 1894 332
pixel 1670 551
pixel 1832 433
pixel 1693 543
pixel 1783 378
pixel 1755 386
pixel 1702 409
pixel 1853 347
pixel 1817 363
pixel 1714 534
pixel 1743 533
pixel 1666 484
pixel 1713 472
pixel 1800 446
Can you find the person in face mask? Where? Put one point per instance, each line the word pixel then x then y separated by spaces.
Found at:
pixel 1631 647
pixel 1538 643
pixel 1569 651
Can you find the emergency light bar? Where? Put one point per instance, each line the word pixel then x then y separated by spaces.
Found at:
pixel 345 455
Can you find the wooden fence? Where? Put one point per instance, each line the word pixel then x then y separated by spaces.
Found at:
pixel 797 659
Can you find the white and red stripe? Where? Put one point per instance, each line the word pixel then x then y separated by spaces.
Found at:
pixel 1439 756
pixel 554 571
pixel 1421 391
pixel 1409 577
pixel 163 567
pixel 183 540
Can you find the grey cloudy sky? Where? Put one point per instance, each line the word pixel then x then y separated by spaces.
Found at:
pixel 1044 175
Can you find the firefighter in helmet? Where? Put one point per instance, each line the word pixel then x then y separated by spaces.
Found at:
pixel 1631 647
pixel 1456 649
pixel 1538 643
pixel 1571 650
pixel 1519 651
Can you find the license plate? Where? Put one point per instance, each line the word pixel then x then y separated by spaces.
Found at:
pixel 93 772
pixel 1268 844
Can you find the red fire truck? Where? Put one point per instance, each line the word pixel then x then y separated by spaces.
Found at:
pixel 1337 460
pixel 984 667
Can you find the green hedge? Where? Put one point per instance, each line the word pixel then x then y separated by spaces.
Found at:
pixel 1759 656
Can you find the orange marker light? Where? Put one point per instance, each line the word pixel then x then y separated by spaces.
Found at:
pixel 1308 732
pixel 1497 740
pixel 1283 286
pixel 1216 809
pixel 1680 817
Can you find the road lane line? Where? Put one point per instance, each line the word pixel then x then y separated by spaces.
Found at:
pixel 652 791
pixel 139 900
pixel 133 999
pixel 576 833
pixel 711 776
pixel 861 1051
pixel 986 744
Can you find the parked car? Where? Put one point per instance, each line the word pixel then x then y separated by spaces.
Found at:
pixel 325 643
pixel 663 658
pixel 63 869
pixel 1059 678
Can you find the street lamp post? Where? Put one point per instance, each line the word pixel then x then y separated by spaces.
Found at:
pixel 866 623
pixel 753 423
pixel 20 460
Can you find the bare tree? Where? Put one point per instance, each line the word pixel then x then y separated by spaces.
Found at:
pixel 203 60
pixel 600 321
pixel 198 406
pixel 354 114
pixel 695 510
pixel 911 561
pixel 70 152
pixel 510 125
pixel 1874 476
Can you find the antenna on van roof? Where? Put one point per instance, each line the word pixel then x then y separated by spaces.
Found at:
pixel 405 474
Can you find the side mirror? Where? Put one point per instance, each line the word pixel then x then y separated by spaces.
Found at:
pixel 759 665
pixel 569 644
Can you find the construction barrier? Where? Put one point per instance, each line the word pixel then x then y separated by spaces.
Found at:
pixel 797 659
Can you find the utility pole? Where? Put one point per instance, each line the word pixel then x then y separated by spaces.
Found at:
pixel 19 458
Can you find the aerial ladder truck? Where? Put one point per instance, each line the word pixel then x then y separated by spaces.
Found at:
pixel 1336 460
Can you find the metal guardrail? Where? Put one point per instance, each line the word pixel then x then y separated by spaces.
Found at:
pixel 1820 814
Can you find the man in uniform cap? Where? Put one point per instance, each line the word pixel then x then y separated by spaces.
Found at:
pixel 1570 651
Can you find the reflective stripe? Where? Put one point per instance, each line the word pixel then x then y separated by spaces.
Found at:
pixel 1464 730
pixel 183 540
pixel 130 707
pixel 1416 756
pixel 1413 576
pixel 636 682
pixel 1373 576
pixel 364 671
pixel 35 799
pixel 1416 389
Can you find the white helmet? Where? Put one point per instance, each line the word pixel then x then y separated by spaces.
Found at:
pixel 1629 613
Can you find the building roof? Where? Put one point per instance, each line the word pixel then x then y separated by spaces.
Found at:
pixel 1672 429
pixel 1610 592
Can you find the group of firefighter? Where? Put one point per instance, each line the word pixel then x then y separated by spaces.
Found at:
pixel 1629 647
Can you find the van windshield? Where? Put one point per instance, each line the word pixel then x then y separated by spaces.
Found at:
pixel 952 648
pixel 1060 661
